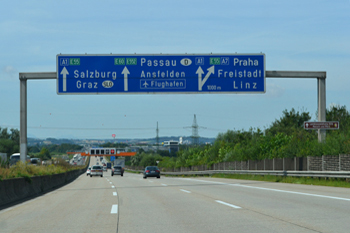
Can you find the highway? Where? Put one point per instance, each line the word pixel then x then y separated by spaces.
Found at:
pixel 170 204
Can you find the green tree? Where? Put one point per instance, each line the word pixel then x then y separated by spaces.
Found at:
pixel 4 134
pixel 44 154
pixel 8 146
pixel 135 160
pixel 339 113
pixel 14 135
pixel 290 122
pixel 9 142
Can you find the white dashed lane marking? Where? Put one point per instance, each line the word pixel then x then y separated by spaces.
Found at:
pixel 183 190
pixel 114 209
pixel 224 203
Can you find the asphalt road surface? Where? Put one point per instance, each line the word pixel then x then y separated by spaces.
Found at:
pixel 133 204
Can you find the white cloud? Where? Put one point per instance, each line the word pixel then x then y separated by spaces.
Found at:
pixel 273 90
pixel 10 69
pixel 8 73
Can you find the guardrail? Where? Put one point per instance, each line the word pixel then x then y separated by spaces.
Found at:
pixel 324 174
pixel 319 174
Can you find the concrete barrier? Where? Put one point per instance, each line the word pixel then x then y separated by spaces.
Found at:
pixel 13 191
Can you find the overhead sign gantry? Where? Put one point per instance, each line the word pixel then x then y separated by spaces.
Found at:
pixel 176 74
pixel 173 74
pixel 107 151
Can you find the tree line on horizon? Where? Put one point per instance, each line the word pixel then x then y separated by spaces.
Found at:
pixel 284 138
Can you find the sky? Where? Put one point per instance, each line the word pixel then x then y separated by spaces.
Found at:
pixel 295 35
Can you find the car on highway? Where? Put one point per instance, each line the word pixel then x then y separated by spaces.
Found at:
pixel 88 171
pixel 117 170
pixel 35 161
pixel 104 168
pixel 151 171
pixel 96 170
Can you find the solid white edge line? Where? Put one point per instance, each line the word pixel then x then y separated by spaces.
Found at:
pixel 269 189
pixel 183 190
pixel 115 194
pixel 224 203
pixel 114 209
pixel 299 193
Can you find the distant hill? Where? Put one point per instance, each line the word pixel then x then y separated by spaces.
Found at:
pixel 49 141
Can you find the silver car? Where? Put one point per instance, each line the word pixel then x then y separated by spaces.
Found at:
pixel 96 170
pixel 88 171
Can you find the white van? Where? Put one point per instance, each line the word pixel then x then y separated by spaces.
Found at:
pixel 14 158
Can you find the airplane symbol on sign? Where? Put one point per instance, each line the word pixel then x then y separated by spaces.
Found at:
pixel 145 84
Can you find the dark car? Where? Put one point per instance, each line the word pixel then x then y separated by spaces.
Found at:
pixel 35 161
pixel 117 170
pixel 151 171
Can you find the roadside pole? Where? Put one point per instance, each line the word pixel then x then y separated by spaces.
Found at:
pixel 23 77
pixel 321 99
pixel 23 118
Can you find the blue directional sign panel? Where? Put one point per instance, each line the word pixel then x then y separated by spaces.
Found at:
pixel 142 74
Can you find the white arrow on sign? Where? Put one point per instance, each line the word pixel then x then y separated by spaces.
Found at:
pixel 125 72
pixel 201 82
pixel 64 72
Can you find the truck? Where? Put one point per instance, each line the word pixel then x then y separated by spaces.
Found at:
pixel 119 162
pixel 118 166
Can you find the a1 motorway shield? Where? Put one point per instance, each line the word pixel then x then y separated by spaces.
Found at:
pixel 137 74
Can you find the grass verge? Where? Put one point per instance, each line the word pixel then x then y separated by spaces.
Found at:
pixel 27 171
pixel 130 171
